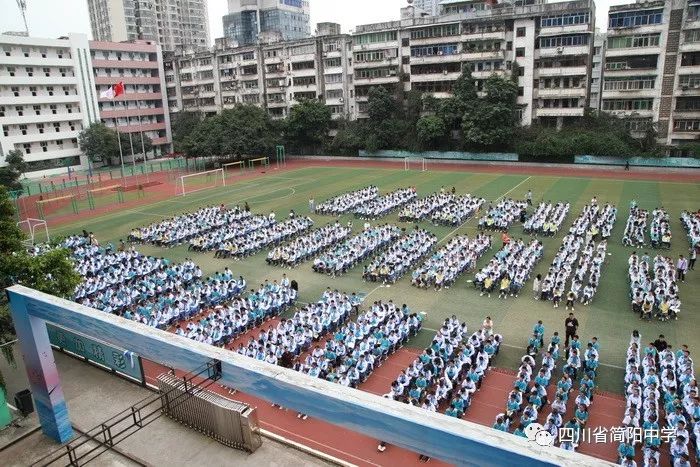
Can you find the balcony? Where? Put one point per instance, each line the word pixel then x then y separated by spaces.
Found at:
pixel 33 135
pixel 482 74
pixel 38 100
pixel 439 76
pixel 489 35
pixel 140 96
pixel 435 59
pixel 123 64
pixel 561 71
pixel 131 112
pixel 386 62
pixel 39 79
pixel 160 141
pixel 139 128
pixel 376 81
pixel 21 61
pixel 630 93
pixel 561 92
pixel 568 29
pixel 565 50
pixel 435 40
pixel 560 112
pixel 690 47
pixel 632 51
pixel 484 55
pixel 127 79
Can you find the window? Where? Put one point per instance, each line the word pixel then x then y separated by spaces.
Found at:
pixel 47 71
pixel 565 20
pixel 2 111
pixel 37 109
pixel 637 125
pixel 370 73
pixel 521 91
pixel 690 59
pixel 433 50
pixel 375 55
pixel 44 145
pixel 688 103
pixel 40 127
pixel 436 31
pixel 689 81
pixel 628 104
pixel 376 37
pixel 520 51
pixel 692 36
pixel 15 90
pixel 27 148
pixel 20 110
pixel 686 125
pixel 63 72
pixel 561 41
pixel 437 68
pixel 11 70
pixel 5 130
pixel 69 108
pixel 639 40
pixel 628 19
pixel 29 70
pixel 23 129
pixel 66 90
pixel 25 51
pixel 334 78
pixel 248 56
pixel 332 62
pixel 633 83
pixel 434 86
pixel 57 126
pixel 334 94
pixel 53 108
pixel 520 32
pixel 32 89
pixel 304 80
pixel 308 65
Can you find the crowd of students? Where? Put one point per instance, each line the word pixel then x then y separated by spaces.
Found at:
pixel 181 229
pixel 445 265
pixel 457 211
pixel 635 227
pixel 344 256
pixel 662 404
pixel 503 214
pixel 395 261
pixel 691 223
pixel 150 290
pixel 212 239
pixel 546 219
pixel 256 240
pixel 594 221
pixel 654 287
pixel 422 208
pixel 347 201
pixel 449 371
pixel 529 397
pixel 383 205
pixel 660 229
pixel 227 321
pixel 307 246
pixel 510 268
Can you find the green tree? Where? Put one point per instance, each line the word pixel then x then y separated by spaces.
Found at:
pixel 431 131
pixel 99 143
pixel 182 125
pixel 15 160
pixel 13 171
pixel 308 125
pixel 136 140
pixel 490 122
pixel 52 273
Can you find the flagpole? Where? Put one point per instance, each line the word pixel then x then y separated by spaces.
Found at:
pixel 143 146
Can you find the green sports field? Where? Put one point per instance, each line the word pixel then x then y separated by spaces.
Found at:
pixel 608 317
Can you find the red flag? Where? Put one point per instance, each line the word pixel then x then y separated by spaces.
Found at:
pixel 119 89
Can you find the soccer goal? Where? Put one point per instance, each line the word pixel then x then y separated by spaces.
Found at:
pixel 202 181
pixel 422 164
pixel 37 231
pixel 232 167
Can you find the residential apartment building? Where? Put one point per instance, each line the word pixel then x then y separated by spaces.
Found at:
pixel 143 109
pixel 47 96
pixel 597 70
pixel 431 7
pixel 275 76
pixel 252 21
pixel 174 24
pixel 652 68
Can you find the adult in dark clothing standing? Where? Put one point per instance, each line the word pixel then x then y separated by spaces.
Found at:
pixel 661 343
pixel 570 326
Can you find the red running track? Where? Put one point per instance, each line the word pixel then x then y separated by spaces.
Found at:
pixel 607 410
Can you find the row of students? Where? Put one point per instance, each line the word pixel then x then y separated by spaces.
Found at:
pixel 653 287
pixel 308 246
pixel 547 218
pixel 457 211
pixel 383 205
pixel 636 226
pixel 691 223
pixel 339 259
pixel 395 261
pixel 503 214
pixel 509 269
pixel 257 240
pixel 215 238
pixel 594 221
pixel 660 229
pixel 182 228
pixel 422 208
pixel 347 201
pixel 445 265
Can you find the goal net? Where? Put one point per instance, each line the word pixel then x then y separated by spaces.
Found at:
pixel 233 168
pixel 202 181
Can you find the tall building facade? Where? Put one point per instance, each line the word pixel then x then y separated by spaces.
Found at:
pixel 143 108
pixel 252 21
pixel 431 7
pixel 47 96
pixel 174 24
pixel 652 68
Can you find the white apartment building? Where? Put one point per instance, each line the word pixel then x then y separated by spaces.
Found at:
pixel 173 24
pixel 275 76
pixel 597 70
pixel 47 96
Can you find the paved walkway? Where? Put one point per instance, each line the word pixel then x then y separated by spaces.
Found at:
pixel 93 396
